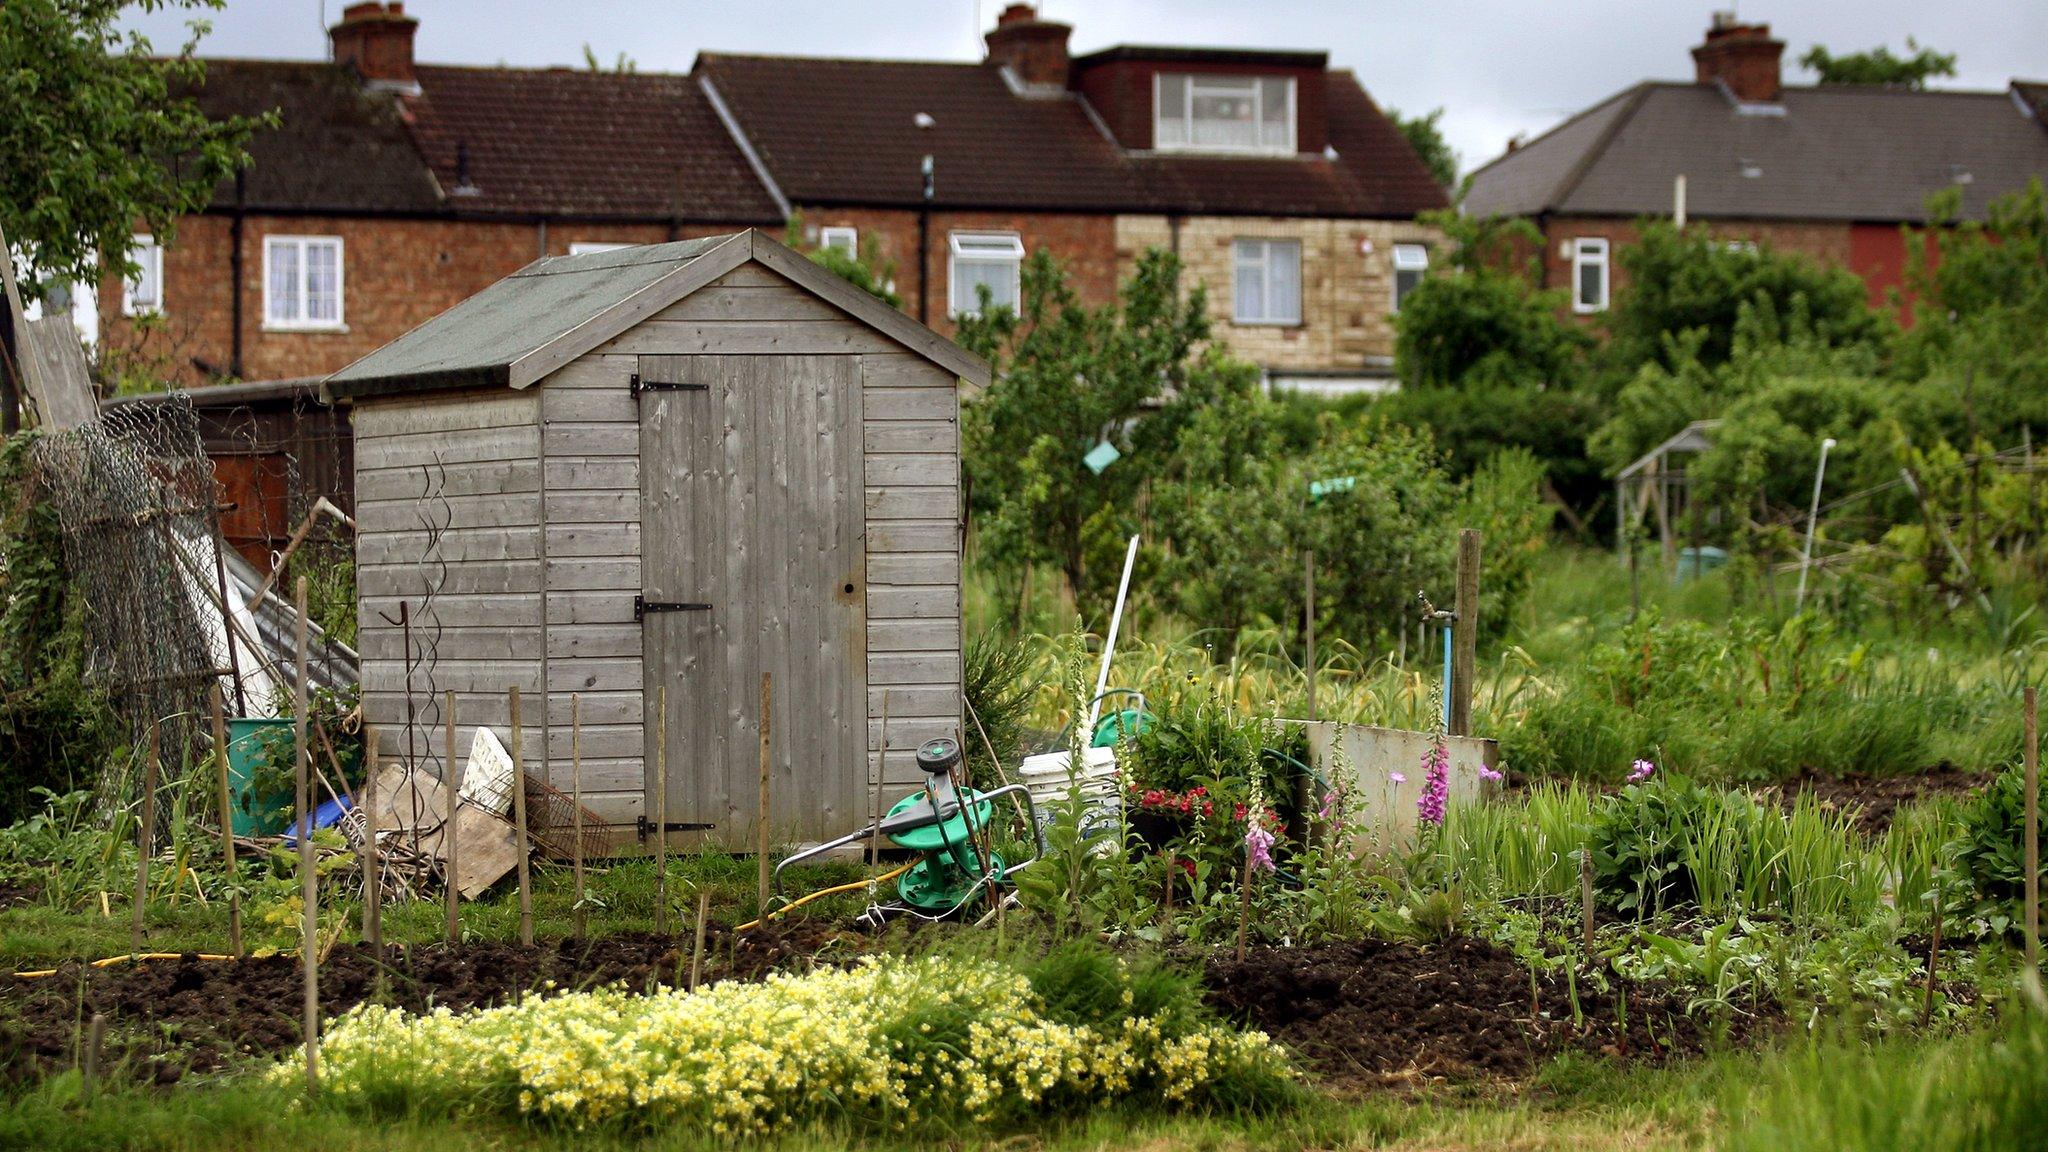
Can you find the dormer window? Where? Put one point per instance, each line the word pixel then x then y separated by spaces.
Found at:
pixel 1207 112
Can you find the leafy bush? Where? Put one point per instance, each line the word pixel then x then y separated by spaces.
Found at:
pixel 1988 854
pixel 1484 322
pixel 997 685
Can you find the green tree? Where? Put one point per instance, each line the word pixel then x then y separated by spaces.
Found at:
pixel 1425 135
pixel 865 269
pixel 1483 319
pixel 1070 378
pixel 1879 67
pixel 1692 282
pixel 96 143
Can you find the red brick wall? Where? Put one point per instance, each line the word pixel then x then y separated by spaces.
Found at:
pixel 1827 243
pixel 1085 244
pixel 396 274
pixel 1121 93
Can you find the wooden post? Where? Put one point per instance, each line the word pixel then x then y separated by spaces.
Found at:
pixel 576 795
pixel 697 948
pixel 1465 633
pixel 95 1037
pixel 373 870
pixel 147 844
pixel 519 823
pixel 881 775
pixel 1586 896
pixel 451 844
pixel 1933 958
pixel 227 818
pixel 761 825
pixel 2033 839
pixel 309 875
pixel 661 812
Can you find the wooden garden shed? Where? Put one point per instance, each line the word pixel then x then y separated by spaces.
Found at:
pixel 672 467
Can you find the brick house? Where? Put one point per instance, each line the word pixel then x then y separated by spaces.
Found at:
pixel 1833 171
pixel 394 189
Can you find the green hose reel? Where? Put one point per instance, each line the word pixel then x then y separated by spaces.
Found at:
pixel 952 865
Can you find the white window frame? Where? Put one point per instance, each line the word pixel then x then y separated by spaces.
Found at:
pixel 273 322
pixel 1591 252
pixel 1238 250
pixel 1194 80
pixel 587 247
pixel 146 253
pixel 844 238
pixel 1405 259
pixel 1013 256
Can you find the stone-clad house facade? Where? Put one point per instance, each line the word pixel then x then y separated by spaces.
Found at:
pixel 394 188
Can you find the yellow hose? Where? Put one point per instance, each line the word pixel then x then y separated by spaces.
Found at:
pixel 823 892
pixel 124 958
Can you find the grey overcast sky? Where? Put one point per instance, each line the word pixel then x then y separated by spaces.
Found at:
pixel 1496 67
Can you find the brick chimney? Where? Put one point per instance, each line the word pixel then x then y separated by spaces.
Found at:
pixel 1742 56
pixel 1035 50
pixel 377 40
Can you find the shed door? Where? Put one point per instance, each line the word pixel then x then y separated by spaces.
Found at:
pixel 752 504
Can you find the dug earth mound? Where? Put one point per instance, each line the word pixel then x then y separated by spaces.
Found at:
pixel 1374 1013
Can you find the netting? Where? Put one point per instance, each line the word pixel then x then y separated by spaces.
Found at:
pixel 134 495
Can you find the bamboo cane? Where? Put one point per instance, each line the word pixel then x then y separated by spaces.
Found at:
pixel 451 844
pixel 761 824
pixel 309 877
pixel 147 844
pixel 576 790
pixel 227 819
pixel 519 823
pixel 661 813
pixel 373 871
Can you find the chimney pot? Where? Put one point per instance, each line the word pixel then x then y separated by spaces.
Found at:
pixel 376 40
pixel 1034 49
pixel 1741 56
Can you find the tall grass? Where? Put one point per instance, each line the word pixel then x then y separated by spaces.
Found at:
pixel 1973 1093
pixel 1523 848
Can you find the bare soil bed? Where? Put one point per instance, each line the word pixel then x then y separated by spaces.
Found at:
pixel 167 1018
pixel 1875 798
pixel 1373 1013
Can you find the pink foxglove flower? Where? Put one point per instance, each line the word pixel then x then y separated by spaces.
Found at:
pixel 1436 783
pixel 1258 848
pixel 1641 771
pixel 1490 775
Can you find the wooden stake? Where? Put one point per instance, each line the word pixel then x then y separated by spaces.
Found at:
pixel 1172 866
pixel 761 825
pixel 373 870
pixel 1308 625
pixel 881 775
pixel 148 841
pixel 697 948
pixel 1244 905
pixel 309 876
pixel 2033 839
pixel 227 818
pixel 1933 958
pixel 451 844
pixel 519 824
pixel 95 1037
pixel 576 795
pixel 661 813
pixel 1465 633
pixel 1586 896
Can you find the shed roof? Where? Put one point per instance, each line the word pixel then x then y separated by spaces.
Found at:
pixel 555 309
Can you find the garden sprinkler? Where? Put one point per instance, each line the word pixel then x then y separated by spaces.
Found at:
pixel 948 825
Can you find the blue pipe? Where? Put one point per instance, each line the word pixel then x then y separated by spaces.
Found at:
pixel 1447 677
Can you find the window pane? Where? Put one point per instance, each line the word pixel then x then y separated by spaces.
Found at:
pixel 1592 276
pixel 1404 283
pixel 969 276
pixel 323 282
pixel 1171 125
pixel 1411 257
pixel 844 239
pixel 144 291
pixel 282 295
pixel 1276 114
pixel 1283 282
pixel 1225 114
pixel 1248 288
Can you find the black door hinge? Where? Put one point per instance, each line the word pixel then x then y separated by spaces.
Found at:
pixel 642 606
pixel 639 386
pixel 645 827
